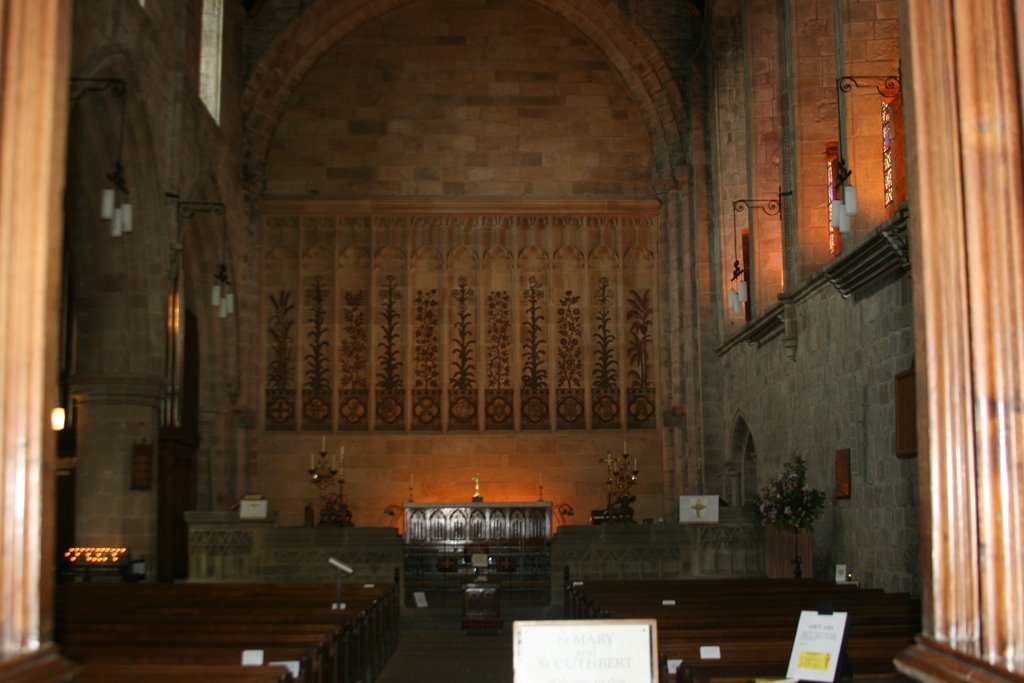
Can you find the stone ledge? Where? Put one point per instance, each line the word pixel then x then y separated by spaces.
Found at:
pixel 885 252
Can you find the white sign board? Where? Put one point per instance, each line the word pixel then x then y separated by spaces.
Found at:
pixel 293 666
pixel 252 509
pixel 698 509
pixel 585 651
pixel 817 646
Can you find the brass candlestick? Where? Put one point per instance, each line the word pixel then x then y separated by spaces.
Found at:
pixel 477 496
pixel 621 478
pixel 322 473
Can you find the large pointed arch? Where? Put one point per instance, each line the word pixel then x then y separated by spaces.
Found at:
pixel 629 49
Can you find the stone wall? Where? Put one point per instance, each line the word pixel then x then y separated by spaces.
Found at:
pixel 379 471
pixel 837 393
pixel 448 104
pixel 468 99
pixel 817 373
pixel 172 149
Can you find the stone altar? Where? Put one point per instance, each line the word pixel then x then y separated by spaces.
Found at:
pixel 223 547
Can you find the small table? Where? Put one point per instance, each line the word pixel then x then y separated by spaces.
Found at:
pixel 481 606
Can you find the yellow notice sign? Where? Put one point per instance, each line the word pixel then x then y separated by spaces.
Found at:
pixel 816 661
pixel 817 646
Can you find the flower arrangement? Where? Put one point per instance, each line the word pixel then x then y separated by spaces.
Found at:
pixel 787 503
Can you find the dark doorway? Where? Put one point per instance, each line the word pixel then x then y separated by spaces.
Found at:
pixel 177 467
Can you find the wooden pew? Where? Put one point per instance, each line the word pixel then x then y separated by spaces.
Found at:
pixel 180 673
pixel 344 645
pixel 753 622
pixel 170 654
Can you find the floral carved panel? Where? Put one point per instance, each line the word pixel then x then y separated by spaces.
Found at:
pixel 482 322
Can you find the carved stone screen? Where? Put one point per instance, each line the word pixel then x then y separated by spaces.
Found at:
pixel 389 316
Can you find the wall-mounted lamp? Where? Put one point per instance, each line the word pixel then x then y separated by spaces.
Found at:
pixel 845 203
pixel 58 419
pixel 221 294
pixel 114 204
pixel 738 294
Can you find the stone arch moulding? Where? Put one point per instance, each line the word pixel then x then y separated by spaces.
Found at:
pixel 741 468
pixel 629 49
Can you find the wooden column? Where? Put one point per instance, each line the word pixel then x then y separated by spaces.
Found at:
pixel 34 52
pixel 962 60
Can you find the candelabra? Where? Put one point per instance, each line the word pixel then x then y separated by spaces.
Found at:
pixel 334 511
pixel 621 478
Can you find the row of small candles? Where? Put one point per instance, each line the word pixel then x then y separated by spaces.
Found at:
pixel 95 555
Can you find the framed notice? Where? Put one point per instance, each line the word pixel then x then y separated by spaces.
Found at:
pixel 818 646
pixel 142 466
pixel 843 473
pixel 596 651
pixel 906 414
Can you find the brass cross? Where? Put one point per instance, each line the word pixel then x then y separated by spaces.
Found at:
pixel 697 507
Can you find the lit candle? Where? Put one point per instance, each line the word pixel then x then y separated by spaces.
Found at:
pixel 312 464
pixel 342 451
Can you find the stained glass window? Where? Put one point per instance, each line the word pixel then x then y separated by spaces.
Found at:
pixel 210 56
pixel 887 151
pixel 835 239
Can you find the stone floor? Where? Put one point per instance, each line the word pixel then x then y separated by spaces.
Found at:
pixel 433 648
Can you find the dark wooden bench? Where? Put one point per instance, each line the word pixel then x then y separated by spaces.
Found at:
pixel 106 672
pixel 752 621
pixel 221 620
pixel 170 654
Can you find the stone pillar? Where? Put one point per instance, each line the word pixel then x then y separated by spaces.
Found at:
pixel 112 414
pixel 677 470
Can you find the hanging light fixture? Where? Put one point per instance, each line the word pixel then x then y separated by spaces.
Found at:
pixel 222 295
pixel 738 295
pixel 58 419
pixel 114 199
pixel 845 204
pixel 738 291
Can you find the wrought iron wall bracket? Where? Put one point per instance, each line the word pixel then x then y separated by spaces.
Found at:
pixel 887 86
